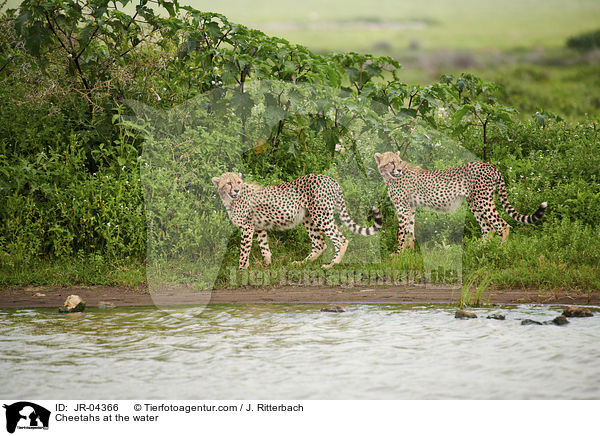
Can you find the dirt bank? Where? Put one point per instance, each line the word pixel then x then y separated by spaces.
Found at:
pixel 42 296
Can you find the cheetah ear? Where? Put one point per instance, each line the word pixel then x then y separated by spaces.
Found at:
pixel 399 155
pixel 240 175
pixel 377 158
pixel 215 180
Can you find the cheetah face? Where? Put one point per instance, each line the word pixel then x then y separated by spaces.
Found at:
pixel 229 186
pixel 389 165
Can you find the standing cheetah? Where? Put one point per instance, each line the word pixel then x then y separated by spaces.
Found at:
pixel 310 199
pixel 410 187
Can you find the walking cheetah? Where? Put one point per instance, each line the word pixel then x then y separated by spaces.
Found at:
pixel 411 187
pixel 310 199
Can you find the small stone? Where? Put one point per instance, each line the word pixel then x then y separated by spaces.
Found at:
pixel 496 316
pixel 530 322
pixel 73 303
pixel 334 309
pixel 560 320
pixel 577 312
pixel 461 314
pixel 106 305
pixel 39 294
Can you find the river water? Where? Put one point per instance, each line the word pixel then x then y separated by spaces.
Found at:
pixel 294 351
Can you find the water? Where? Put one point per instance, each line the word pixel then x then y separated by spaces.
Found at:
pixel 295 351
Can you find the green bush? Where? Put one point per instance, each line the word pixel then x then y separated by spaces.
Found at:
pixel 585 41
pixel 81 179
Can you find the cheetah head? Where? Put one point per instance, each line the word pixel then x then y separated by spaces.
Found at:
pixel 389 165
pixel 229 186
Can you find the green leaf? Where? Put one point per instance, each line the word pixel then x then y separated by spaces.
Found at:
pixel 460 113
pixel 446 79
pixel 292 148
pixel 36 36
pixel 408 112
pixel 540 119
pixel 317 124
pixel 190 45
pixel 170 7
pixel 353 74
pixel 333 78
pixel 459 129
pixel 84 36
pixel 331 137
pixel 373 70
pixel 214 29
pixel 273 112
pixel 100 11
pixel 503 116
pixel 242 103
pixel 501 126
pixel 21 21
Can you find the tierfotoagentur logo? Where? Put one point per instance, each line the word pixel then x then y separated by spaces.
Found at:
pixel 24 415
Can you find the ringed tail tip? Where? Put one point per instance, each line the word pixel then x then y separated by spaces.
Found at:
pixel 378 218
pixel 538 213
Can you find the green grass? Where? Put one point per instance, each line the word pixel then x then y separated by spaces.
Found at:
pixel 472 289
pixel 522 262
pixel 564 258
pixel 72 271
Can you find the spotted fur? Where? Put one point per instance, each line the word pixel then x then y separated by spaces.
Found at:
pixel 310 200
pixel 411 187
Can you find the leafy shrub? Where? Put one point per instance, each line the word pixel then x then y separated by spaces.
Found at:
pixel 72 164
pixel 585 41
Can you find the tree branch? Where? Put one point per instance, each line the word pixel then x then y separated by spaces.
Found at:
pixel 412 128
pixel 88 43
pixel 56 34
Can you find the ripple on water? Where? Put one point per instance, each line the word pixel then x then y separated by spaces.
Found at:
pixel 295 351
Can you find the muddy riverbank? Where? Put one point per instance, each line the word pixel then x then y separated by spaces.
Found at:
pixel 43 296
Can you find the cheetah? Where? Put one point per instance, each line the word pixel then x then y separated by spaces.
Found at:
pixel 310 200
pixel 410 187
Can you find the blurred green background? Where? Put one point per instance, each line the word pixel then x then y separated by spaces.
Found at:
pixel 427 37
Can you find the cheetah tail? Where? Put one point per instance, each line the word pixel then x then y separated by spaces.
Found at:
pixel 365 231
pixel 536 216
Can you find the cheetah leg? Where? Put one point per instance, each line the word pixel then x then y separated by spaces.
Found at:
pixel 316 239
pixel 405 236
pixel 411 229
pixel 247 233
pixel 505 232
pixel 479 216
pixel 339 242
pixel 495 220
pixel 263 243
pixel 483 225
